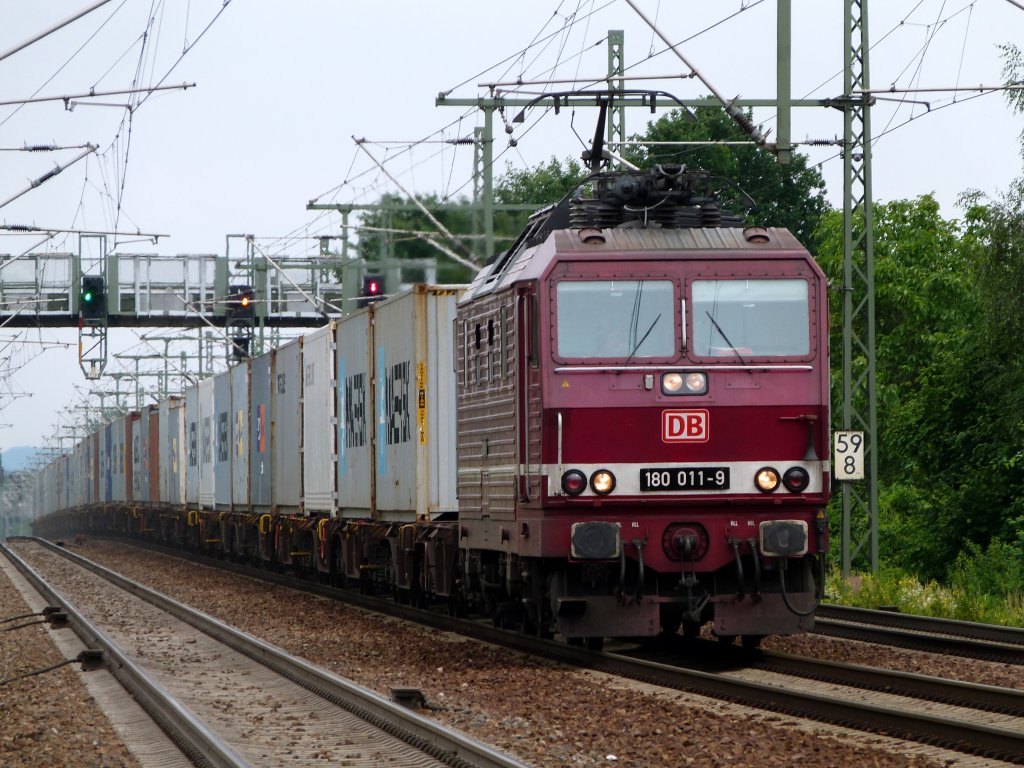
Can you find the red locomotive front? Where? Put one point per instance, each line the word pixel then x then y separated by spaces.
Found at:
pixel 667 425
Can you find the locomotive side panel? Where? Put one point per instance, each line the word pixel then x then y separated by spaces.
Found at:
pixel 356 420
pixel 487 437
pixel 318 425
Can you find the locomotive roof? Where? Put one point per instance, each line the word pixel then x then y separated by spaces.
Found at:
pixel 625 243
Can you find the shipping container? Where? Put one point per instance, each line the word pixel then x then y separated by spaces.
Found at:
pixel 121 474
pixel 137 457
pixel 318 424
pixel 106 484
pixel 355 415
pixel 222 440
pixel 140 457
pixel 207 450
pixel 131 452
pixel 286 429
pixel 151 439
pixel 260 378
pixel 414 400
pixel 193 450
pixel 174 455
pixel 240 437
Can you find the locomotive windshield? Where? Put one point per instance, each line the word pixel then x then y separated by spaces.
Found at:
pixel 755 318
pixel 615 318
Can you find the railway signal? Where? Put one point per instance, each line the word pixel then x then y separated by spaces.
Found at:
pixel 240 302
pixel 372 290
pixel 93 298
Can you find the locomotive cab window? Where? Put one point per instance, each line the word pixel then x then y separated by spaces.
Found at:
pixel 615 319
pixel 751 318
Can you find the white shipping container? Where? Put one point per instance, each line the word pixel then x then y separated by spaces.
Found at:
pixel 414 402
pixel 207 447
pixel 319 453
pixel 356 421
pixel 286 428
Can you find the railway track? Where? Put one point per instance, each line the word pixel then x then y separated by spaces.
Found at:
pixel 972 719
pixel 227 698
pixel 923 633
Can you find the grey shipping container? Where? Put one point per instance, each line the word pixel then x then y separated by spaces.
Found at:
pixel 318 425
pixel 286 429
pixel 260 378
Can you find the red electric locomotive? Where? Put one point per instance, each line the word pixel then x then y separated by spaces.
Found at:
pixel 643 419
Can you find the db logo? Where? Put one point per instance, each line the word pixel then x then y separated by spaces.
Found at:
pixel 684 426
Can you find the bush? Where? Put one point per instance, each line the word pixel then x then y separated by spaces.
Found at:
pixel 985 587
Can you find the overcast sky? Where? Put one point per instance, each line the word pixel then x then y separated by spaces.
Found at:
pixel 281 89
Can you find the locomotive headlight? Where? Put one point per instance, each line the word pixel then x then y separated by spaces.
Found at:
pixel 766 479
pixel 676 383
pixel 574 482
pixel 602 482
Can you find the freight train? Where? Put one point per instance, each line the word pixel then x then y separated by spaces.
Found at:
pixel 619 429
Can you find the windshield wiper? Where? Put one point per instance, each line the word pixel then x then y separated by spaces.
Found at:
pixel 643 338
pixel 735 351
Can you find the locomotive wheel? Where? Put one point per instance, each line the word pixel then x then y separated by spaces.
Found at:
pixel 751 642
pixel 595 643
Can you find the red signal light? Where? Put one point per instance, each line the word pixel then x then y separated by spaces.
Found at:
pixel 373 287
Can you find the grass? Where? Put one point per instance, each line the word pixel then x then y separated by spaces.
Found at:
pixel 909 595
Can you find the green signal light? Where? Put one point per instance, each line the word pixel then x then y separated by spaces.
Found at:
pixel 87 297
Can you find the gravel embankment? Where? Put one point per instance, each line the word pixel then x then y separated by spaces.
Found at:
pixel 48 720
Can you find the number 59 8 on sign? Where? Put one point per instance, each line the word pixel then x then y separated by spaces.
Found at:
pixel 848 461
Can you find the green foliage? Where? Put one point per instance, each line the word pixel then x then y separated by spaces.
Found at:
pixel 537 187
pixel 892 587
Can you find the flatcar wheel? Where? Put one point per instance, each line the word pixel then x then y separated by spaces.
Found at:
pixel 691 630
pixel 595 643
pixel 726 639
pixel 575 641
